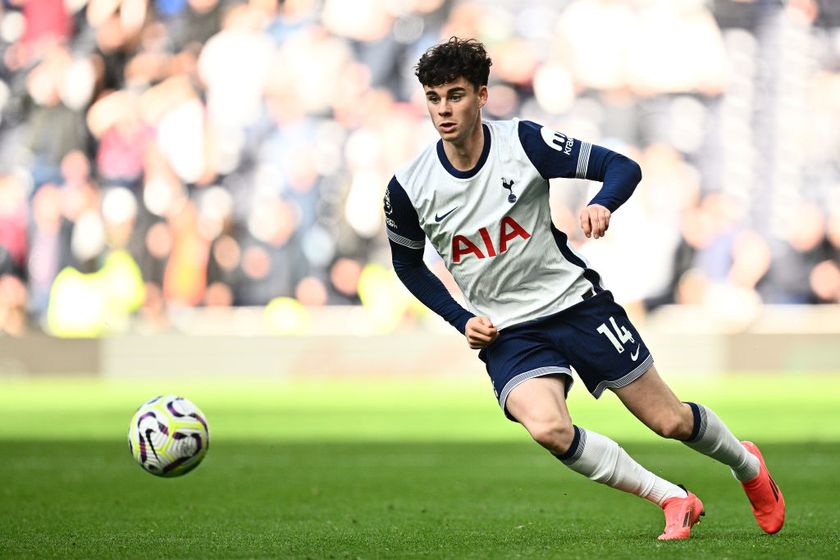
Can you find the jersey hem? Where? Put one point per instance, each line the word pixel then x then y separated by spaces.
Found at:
pixel 550 316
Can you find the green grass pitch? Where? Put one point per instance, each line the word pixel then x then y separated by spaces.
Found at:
pixel 395 468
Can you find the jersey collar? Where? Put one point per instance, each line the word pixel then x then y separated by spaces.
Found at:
pixel 485 151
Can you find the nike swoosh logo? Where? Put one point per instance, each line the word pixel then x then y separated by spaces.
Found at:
pixel 149 433
pixel 635 355
pixel 439 217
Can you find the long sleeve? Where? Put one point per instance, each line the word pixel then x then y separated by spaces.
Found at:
pixel 619 175
pixel 407 241
pixel 556 155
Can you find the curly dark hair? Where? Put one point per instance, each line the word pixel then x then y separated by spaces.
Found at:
pixel 446 62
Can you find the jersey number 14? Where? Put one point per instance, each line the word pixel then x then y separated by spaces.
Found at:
pixel 616 335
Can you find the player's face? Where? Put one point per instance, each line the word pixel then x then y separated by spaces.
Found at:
pixel 455 108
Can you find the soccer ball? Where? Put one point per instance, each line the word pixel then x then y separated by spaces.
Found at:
pixel 168 436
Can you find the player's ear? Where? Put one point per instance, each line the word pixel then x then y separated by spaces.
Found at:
pixel 482 96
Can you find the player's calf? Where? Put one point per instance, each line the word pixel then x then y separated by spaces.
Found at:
pixel 711 437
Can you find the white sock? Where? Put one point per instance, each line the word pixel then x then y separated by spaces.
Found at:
pixel 711 437
pixel 601 459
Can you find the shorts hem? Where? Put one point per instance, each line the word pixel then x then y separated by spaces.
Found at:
pixel 624 380
pixel 530 374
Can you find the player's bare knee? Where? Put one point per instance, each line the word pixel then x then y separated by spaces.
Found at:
pixel 555 435
pixel 672 426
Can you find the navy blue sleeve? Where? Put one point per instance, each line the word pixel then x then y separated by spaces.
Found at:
pixel 553 153
pixel 407 241
pixel 619 173
pixel 556 155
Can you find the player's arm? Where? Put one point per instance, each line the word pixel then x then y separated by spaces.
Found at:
pixel 407 241
pixel 556 155
pixel 619 175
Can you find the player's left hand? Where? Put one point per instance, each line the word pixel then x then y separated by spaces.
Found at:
pixel 595 220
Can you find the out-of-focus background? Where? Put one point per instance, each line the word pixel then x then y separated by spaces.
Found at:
pixel 215 168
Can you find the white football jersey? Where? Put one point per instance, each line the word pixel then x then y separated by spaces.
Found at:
pixel 492 225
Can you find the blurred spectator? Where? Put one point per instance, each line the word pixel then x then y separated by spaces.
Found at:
pixel 55 122
pixel 12 305
pixel 185 276
pixel 234 90
pixel 795 257
pixel 49 245
pixel 190 21
pixel 344 280
pixel 13 255
pixel 46 23
pixel 115 121
pixel 13 224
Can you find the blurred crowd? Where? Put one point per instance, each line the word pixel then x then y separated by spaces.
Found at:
pixel 165 154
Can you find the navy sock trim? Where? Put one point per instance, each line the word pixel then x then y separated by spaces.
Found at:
pixel 572 452
pixel 695 430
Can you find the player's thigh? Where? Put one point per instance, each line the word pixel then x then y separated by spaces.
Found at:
pixel 539 404
pixel 519 355
pixel 539 398
pixel 653 402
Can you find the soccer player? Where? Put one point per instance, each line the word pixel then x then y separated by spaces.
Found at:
pixel 535 308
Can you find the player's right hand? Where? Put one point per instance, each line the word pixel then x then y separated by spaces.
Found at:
pixel 595 220
pixel 480 332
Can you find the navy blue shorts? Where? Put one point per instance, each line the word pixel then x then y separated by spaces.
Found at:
pixel 594 337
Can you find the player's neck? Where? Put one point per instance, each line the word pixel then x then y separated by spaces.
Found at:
pixel 465 153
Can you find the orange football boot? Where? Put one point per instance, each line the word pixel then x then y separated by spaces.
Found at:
pixel 680 515
pixel 768 504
